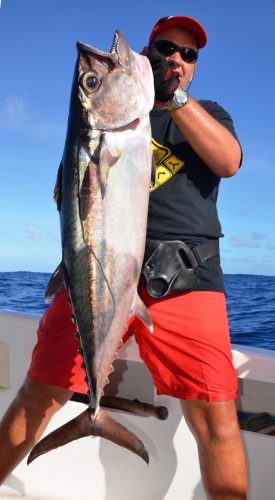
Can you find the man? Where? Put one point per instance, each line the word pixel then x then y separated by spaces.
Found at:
pixel 189 354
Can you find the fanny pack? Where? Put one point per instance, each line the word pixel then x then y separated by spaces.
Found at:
pixel 172 267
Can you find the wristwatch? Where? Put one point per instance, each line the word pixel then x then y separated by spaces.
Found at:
pixel 178 100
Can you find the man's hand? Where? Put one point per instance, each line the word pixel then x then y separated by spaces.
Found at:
pixel 165 81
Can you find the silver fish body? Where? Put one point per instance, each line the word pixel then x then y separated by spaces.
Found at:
pixel 102 194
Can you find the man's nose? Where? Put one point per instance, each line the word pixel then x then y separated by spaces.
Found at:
pixel 175 59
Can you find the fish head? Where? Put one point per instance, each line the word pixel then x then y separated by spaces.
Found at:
pixel 112 89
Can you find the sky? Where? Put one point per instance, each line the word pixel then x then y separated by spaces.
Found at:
pixel 38 54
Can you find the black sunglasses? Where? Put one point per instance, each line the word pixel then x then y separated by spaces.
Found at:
pixel 167 48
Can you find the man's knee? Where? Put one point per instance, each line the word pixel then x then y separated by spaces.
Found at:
pixel 211 421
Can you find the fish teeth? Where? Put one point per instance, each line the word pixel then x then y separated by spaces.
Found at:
pixel 114 42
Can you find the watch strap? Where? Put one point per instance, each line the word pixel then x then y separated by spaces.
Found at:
pixel 178 100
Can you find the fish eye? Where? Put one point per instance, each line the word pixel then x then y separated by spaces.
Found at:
pixel 91 81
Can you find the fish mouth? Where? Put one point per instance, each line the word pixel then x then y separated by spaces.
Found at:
pixel 129 126
pixel 83 47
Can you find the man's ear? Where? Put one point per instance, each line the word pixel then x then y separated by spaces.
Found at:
pixel 144 51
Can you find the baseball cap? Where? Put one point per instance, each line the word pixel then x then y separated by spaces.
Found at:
pixel 185 22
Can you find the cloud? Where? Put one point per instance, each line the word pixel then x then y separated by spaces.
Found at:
pixel 243 260
pixel 267 258
pixel 244 211
pixel 44 131
pixel 243 241
pixel 33 234
pixel 260 162
pixel 14 113
pixel 258 236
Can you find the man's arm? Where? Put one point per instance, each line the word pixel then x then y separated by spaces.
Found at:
pixel 213 143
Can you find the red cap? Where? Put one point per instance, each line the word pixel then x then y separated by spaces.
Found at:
pixel 187 23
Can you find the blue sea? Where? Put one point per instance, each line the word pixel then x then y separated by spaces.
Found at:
pixel 250 303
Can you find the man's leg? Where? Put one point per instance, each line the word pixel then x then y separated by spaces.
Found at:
pixel 25 421
pixel 222 459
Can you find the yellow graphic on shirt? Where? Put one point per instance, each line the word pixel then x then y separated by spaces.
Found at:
pixel 167 164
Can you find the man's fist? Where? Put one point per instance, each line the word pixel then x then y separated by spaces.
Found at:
pixel 165 81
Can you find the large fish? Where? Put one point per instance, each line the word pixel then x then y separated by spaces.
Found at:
pixel 102 194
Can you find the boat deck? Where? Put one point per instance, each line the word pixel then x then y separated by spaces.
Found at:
pixel 96 469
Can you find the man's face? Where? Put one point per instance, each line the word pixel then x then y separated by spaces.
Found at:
pixel 183 70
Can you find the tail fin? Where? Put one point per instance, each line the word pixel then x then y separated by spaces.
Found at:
pixel 85 425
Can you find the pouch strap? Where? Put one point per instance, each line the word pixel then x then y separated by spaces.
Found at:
pixel 197 254
pixel 205 251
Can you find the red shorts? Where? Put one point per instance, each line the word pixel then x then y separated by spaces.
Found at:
pixel 188 354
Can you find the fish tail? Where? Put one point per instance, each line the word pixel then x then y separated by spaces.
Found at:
pixel 87 425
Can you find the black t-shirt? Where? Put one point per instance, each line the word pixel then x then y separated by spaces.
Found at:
pixel 183 200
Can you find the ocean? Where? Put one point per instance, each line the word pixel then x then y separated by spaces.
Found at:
pixel 250 303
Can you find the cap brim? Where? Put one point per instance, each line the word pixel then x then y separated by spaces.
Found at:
pixel 184 22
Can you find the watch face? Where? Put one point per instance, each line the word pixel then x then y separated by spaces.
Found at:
pixel 181 96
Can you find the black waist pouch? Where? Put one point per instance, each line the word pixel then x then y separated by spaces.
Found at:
pixel 172 267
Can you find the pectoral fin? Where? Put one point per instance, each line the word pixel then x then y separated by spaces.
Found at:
pixel 108 156
pixel 57 195
pixel 57 280
pixel 140 310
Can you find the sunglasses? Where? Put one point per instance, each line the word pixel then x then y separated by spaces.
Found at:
pixel 167 49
